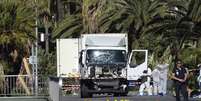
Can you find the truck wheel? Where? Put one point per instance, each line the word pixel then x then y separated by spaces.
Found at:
pixel 116 94
pixel 84 92
pixel 120 94
pixel 124 93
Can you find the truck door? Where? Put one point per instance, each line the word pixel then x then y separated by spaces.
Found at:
pixel 137 64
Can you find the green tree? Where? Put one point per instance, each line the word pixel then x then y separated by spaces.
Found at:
pixel 16 30
pixel 162 27
pixel 47 63
pixel 183 27
pixel 45 19
pixel 180 26
pixel 135 17
pixel 46 58
pixel 85 20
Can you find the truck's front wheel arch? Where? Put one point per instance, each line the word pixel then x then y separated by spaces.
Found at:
pixel 84 91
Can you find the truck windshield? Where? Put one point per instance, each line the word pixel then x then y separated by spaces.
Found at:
pixel 106 56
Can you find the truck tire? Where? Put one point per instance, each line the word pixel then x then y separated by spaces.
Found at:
pixel 120 94
pixel 84 92
pixel 116 94
pixel 124 93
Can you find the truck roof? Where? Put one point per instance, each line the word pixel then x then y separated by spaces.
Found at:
pixel 104 40
pixel 106 48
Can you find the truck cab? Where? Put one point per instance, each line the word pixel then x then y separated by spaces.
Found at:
pixel 102 62
pixel 105 65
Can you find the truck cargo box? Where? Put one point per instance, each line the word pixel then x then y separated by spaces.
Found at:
pixel 68 57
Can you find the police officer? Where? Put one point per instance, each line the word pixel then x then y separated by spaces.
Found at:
pixel 179 75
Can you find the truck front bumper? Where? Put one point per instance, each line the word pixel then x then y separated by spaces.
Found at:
pixel 117 85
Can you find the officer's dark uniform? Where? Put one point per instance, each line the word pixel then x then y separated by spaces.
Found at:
pixel 180 86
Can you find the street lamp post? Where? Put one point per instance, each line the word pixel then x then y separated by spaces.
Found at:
pixel 36 51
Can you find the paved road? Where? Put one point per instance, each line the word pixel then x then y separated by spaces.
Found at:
pixel 128 98
pixel 25 98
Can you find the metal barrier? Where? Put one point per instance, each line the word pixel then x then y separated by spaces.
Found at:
pixel 22 85
pixel 63 86
pixel 43 88
pixel 55 88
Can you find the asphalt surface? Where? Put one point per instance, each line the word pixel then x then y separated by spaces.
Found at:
pixel 127 98
pixel 25 98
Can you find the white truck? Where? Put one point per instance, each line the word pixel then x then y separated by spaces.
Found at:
pixel 104 64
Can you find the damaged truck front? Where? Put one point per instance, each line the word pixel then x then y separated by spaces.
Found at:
pixel 103 61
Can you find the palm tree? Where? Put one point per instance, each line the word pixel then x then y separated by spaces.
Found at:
pixel 16 27
pixel 45 19
pixel 85 19
pixel 70 24
pixel 160 19
pixel 169 23
pixel 184 26
pixel 180 27
pixel 134 17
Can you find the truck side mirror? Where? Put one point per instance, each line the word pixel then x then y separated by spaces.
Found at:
pixel 133 65
pixel 81 58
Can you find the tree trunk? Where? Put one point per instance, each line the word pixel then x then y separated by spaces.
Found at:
pixel 60 10
pixel 46 40
pixel 1 75
pixel 199 42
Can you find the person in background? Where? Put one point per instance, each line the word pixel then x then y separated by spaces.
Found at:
pixel 146 84
pixel 163 68
pixel 179 75
pixel 199 77
pixel 155 76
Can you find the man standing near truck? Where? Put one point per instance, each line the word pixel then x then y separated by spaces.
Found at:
pixel 163 68
pixel 179 75
pixel 156 81
pixel 146 84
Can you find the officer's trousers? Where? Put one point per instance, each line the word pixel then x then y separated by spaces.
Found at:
pixel 181 87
